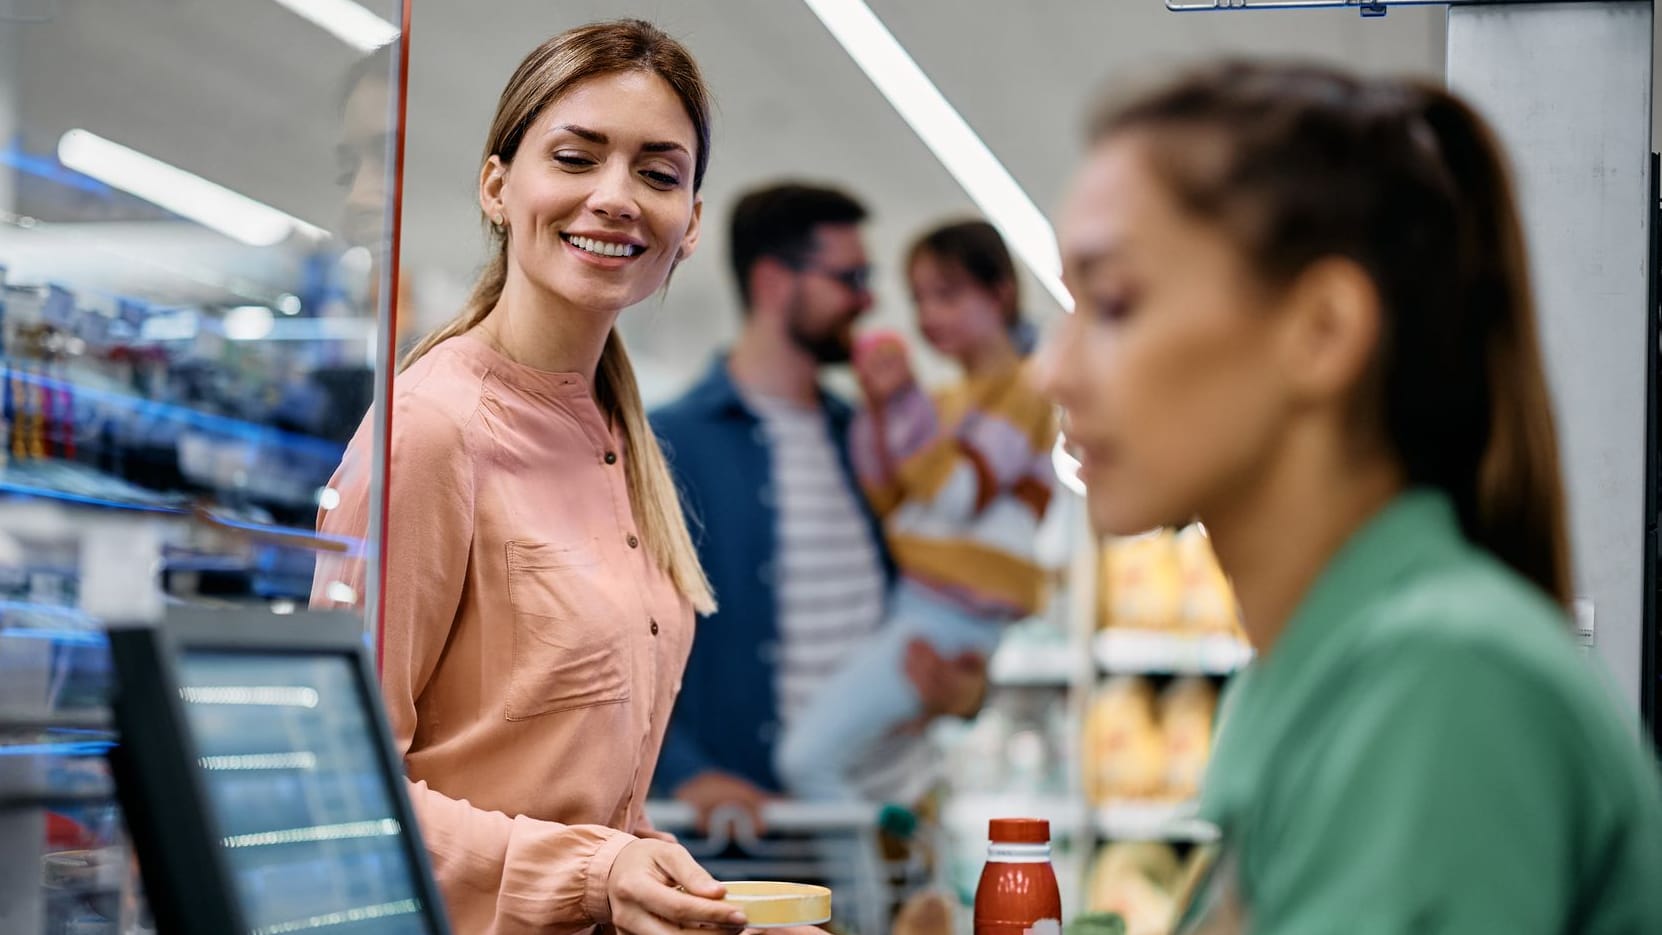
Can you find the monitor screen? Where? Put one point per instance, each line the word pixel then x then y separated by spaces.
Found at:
pixel 298 787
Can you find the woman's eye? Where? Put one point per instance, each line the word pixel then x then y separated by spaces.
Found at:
pixel 566 159
pixel 661 178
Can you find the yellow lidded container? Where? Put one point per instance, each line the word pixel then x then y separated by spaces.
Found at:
pixel 775 905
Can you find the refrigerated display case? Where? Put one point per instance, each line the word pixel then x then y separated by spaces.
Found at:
pixel 197 245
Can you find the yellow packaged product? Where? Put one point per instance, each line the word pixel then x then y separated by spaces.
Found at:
pixel 1142 587
pixel 1125 751
pixel 1187 709
pixel 1138 880
pixel 1208 602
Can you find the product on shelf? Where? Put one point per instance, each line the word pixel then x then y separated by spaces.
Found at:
pixel 1095 923
pixel 1139 881
pixel 1141 746
pixel 1015 746
pixel 1125 751
pixel 1208 602
pixel 1166 581
pixel 1187 707
pixel 928 913
pixel 1141 587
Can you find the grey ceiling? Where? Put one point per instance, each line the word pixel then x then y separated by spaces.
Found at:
pixel 247 93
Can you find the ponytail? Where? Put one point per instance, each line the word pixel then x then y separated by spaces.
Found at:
pixel 1511 501
pixel 1298 163
pixel 651 486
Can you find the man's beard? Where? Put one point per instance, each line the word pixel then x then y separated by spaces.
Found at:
pixel 828 347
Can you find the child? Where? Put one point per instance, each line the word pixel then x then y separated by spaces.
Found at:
pixel 961 481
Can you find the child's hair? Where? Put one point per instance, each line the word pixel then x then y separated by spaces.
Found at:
pixel 976 248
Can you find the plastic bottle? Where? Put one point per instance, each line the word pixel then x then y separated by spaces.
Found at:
pixel 1017 894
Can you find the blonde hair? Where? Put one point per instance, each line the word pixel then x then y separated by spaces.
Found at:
pixel 548 72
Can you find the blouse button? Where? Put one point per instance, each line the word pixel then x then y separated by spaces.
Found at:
pixel 611 457
pixel 654 628
pixel 634 543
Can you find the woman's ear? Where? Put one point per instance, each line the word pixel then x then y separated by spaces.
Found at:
pixel 689 242
pixel 493 177
pixel 1334 321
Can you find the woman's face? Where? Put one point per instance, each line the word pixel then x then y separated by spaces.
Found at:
pixel 957 315
pixel 362 154
pixel 1169 370
pixel 599 201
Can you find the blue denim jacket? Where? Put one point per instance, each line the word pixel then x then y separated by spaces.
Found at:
pixel 726 716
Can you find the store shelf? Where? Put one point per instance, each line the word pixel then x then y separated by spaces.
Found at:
pixel 76 483
pixel 35 511
pixel 1023 664
pixel 1132 820
pixel 90 720
pixel 1139 652
pixel 153 410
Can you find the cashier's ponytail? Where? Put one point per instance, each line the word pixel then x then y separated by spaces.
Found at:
pixel 548 72
pixel 1297 163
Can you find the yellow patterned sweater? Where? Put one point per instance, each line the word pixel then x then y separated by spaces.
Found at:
pixel 961 481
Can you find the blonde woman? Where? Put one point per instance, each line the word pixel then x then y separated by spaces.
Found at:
pixel 540 581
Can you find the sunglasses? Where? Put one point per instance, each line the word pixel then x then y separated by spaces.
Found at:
pixel 854 278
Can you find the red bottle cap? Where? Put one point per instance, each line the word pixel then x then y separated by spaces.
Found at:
pixel 1019 831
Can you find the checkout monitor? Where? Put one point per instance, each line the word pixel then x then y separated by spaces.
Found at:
pixel 303 801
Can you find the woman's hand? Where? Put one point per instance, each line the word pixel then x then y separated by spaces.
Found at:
pixel 656 888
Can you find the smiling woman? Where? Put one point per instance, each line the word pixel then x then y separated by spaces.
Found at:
pixel 540 581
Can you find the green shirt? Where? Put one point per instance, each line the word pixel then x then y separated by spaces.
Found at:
pixel 1425 751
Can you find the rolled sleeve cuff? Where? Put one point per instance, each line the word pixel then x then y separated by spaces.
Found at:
pixel 598 873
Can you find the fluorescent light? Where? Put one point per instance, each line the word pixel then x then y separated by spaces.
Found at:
pixel 933 118
pixel 248 322
pixel 347 21
pixel 235 215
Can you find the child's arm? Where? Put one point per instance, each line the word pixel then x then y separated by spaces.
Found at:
pixel 1007 441
pixel 898 421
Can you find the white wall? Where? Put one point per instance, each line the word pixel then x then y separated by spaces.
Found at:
pixel 1568 87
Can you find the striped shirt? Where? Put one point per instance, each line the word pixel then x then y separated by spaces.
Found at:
pixel 829 581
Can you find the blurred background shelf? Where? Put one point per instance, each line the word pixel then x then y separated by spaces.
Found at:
pixel 1032 658
pixel 1133 820
pixel 1150 652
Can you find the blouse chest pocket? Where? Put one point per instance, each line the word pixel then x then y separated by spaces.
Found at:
pixel 568 653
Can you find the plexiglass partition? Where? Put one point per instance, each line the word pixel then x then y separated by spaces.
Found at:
pixel 196 220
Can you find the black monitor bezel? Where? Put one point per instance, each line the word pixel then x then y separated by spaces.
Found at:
pixel 163 790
